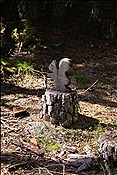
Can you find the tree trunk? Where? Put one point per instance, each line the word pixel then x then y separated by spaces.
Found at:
pixel 60 107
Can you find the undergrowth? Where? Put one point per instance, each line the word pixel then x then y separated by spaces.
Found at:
pixel 48 144
pixel 17 65
pixel 25 40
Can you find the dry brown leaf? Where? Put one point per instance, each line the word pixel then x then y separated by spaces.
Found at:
pixel 33 140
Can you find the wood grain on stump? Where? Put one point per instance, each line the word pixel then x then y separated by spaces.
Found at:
pixel 60 107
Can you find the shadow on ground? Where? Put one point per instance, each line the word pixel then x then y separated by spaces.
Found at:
pixel 17 161
pixel 8 88
pixel 85 122
pixel 97 100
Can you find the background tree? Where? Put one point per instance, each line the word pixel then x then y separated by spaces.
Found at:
pixel 90 17
pixel 10 17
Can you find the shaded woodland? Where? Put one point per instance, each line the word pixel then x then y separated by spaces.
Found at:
pixel 91 18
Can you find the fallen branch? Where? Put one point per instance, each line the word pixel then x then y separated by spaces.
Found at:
pixel 16 166
pixel 80 156
pixel 29 146
pixel 81 162
pixel 86 164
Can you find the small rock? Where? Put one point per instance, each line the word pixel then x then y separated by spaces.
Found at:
pixel 36 128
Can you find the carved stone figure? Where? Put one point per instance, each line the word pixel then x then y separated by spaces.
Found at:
pixel 60 74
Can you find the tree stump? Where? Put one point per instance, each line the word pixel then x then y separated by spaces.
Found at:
pixel 60 103
pixel 108 145
pixel 60 107
pixel 108 151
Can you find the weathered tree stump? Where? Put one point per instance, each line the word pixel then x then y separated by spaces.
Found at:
pixel 108 151
pixel 60 107
pixel 108 145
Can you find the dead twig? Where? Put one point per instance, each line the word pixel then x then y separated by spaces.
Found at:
pixel 20 47
pixel 14 121
pixel 11 129
pixel 39 170
pixel 44 74
pixel 88 88
pixel 14 167
pixel 58 165
pixel 46 170
pixel 40 72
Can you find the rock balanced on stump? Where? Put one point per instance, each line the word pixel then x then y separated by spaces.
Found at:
pixel 60 103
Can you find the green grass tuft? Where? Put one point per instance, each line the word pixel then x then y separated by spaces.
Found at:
pixel 80 78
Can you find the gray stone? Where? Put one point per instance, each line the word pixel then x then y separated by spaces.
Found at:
pixel 36 128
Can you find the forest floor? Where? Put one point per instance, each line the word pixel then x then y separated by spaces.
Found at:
pixel 95 60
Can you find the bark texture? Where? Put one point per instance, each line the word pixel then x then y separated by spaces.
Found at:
pixel 60 107
pixel 108 146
